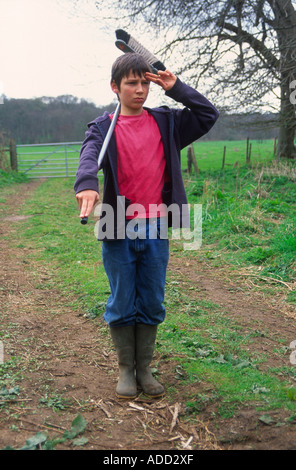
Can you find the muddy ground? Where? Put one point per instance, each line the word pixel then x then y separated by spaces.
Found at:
pixel 65 354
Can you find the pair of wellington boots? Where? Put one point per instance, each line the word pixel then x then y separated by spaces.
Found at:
pixel 134 347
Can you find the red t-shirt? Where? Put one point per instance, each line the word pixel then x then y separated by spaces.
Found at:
pixel 141 164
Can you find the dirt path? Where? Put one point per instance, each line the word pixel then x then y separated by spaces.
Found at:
pixel 62 354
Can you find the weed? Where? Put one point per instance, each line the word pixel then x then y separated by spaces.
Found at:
pixel 11 177
pixel 41 441
pixel 54 401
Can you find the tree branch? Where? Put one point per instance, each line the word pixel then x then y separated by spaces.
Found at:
pixel 257 45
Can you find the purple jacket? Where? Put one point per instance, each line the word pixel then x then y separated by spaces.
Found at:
pixel 178 129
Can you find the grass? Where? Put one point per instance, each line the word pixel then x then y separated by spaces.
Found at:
pixel 11 177
pixel 62 242
pixel 249 221
pixel 213 348
pixel 250 217
pixel 209 154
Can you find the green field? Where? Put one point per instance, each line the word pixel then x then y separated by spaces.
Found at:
pixel 56 159
pixel 209 155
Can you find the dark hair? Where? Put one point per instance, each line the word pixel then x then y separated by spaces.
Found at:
pixel 130 62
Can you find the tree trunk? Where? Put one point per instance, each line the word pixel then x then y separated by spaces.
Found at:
pixel 285 26
pixel 286 147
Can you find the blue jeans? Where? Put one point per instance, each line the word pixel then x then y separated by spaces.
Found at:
pixel 136 269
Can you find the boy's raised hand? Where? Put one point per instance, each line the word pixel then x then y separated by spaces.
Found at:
pixel 165 79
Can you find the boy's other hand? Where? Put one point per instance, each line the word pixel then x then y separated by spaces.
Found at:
pixel 165 79
pixel 86 201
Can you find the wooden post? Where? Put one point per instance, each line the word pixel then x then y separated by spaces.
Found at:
pixel 223 164
pixel 274 147
pixel 13 155
pixel 223 159
pixel 191 160
pixel 248 152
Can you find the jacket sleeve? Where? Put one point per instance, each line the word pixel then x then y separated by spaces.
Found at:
pixel 198 116
pixel 86 175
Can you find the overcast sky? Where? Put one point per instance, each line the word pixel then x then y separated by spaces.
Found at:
pixel 49 49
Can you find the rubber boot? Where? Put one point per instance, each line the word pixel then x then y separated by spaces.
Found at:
pixel 124 342
pixel 145 343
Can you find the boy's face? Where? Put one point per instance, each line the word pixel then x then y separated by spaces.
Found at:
pixel 132 94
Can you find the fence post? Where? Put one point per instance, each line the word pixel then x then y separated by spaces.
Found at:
pixel 13 154
pixel 274 147
pixel 223 158
pixel 66 160
pixel 191 159
pixel 247 151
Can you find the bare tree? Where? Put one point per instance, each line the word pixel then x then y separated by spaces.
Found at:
pixel 244 49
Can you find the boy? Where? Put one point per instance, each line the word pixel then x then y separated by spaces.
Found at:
pixel 142 171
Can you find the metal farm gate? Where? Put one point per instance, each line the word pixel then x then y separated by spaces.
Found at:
pixel 48 160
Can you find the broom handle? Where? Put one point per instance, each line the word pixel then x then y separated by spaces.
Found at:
pixel 108 135
pixel 84 220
